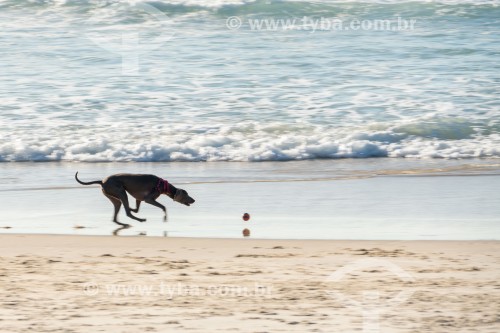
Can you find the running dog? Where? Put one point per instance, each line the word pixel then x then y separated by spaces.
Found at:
pixel 145 188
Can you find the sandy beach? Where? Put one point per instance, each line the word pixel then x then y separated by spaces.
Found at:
pixel 61 283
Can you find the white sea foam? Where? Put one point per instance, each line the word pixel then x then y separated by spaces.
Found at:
pixel 241 142
pixel 211 94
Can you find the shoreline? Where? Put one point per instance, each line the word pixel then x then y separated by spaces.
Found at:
pixel 353 206
pixel 244 238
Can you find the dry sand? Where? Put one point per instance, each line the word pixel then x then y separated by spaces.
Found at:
pixel 143 284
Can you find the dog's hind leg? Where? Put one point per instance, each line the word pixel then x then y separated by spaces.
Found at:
pixel 124 199
pixel 137 205
pixel 153 202
pixel 117 204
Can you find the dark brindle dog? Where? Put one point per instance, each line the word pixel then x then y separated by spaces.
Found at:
pixel 145 188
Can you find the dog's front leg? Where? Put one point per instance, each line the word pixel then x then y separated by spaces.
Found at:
pixel 153 202
pixel 137 205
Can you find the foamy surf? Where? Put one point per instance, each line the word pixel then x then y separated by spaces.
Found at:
pixel 214 94
pixel 250 141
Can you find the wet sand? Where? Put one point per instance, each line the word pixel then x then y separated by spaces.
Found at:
pixel 343 199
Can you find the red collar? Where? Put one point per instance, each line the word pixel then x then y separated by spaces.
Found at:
pixel 163 186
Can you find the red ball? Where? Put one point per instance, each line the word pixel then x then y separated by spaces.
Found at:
pixel 246 232
pixel 246 217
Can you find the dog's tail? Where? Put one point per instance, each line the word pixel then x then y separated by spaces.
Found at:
pixel 89 183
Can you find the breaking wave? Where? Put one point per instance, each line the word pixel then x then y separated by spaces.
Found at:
pixel 249 141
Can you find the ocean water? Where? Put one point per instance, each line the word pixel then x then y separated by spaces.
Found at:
pixel 181 80
pixel 387 114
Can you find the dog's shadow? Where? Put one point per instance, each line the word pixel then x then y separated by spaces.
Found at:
pixel 117 231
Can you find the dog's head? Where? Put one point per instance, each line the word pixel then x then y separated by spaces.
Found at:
pixel 183 197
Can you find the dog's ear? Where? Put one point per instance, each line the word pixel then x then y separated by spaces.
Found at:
pixel 179 195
